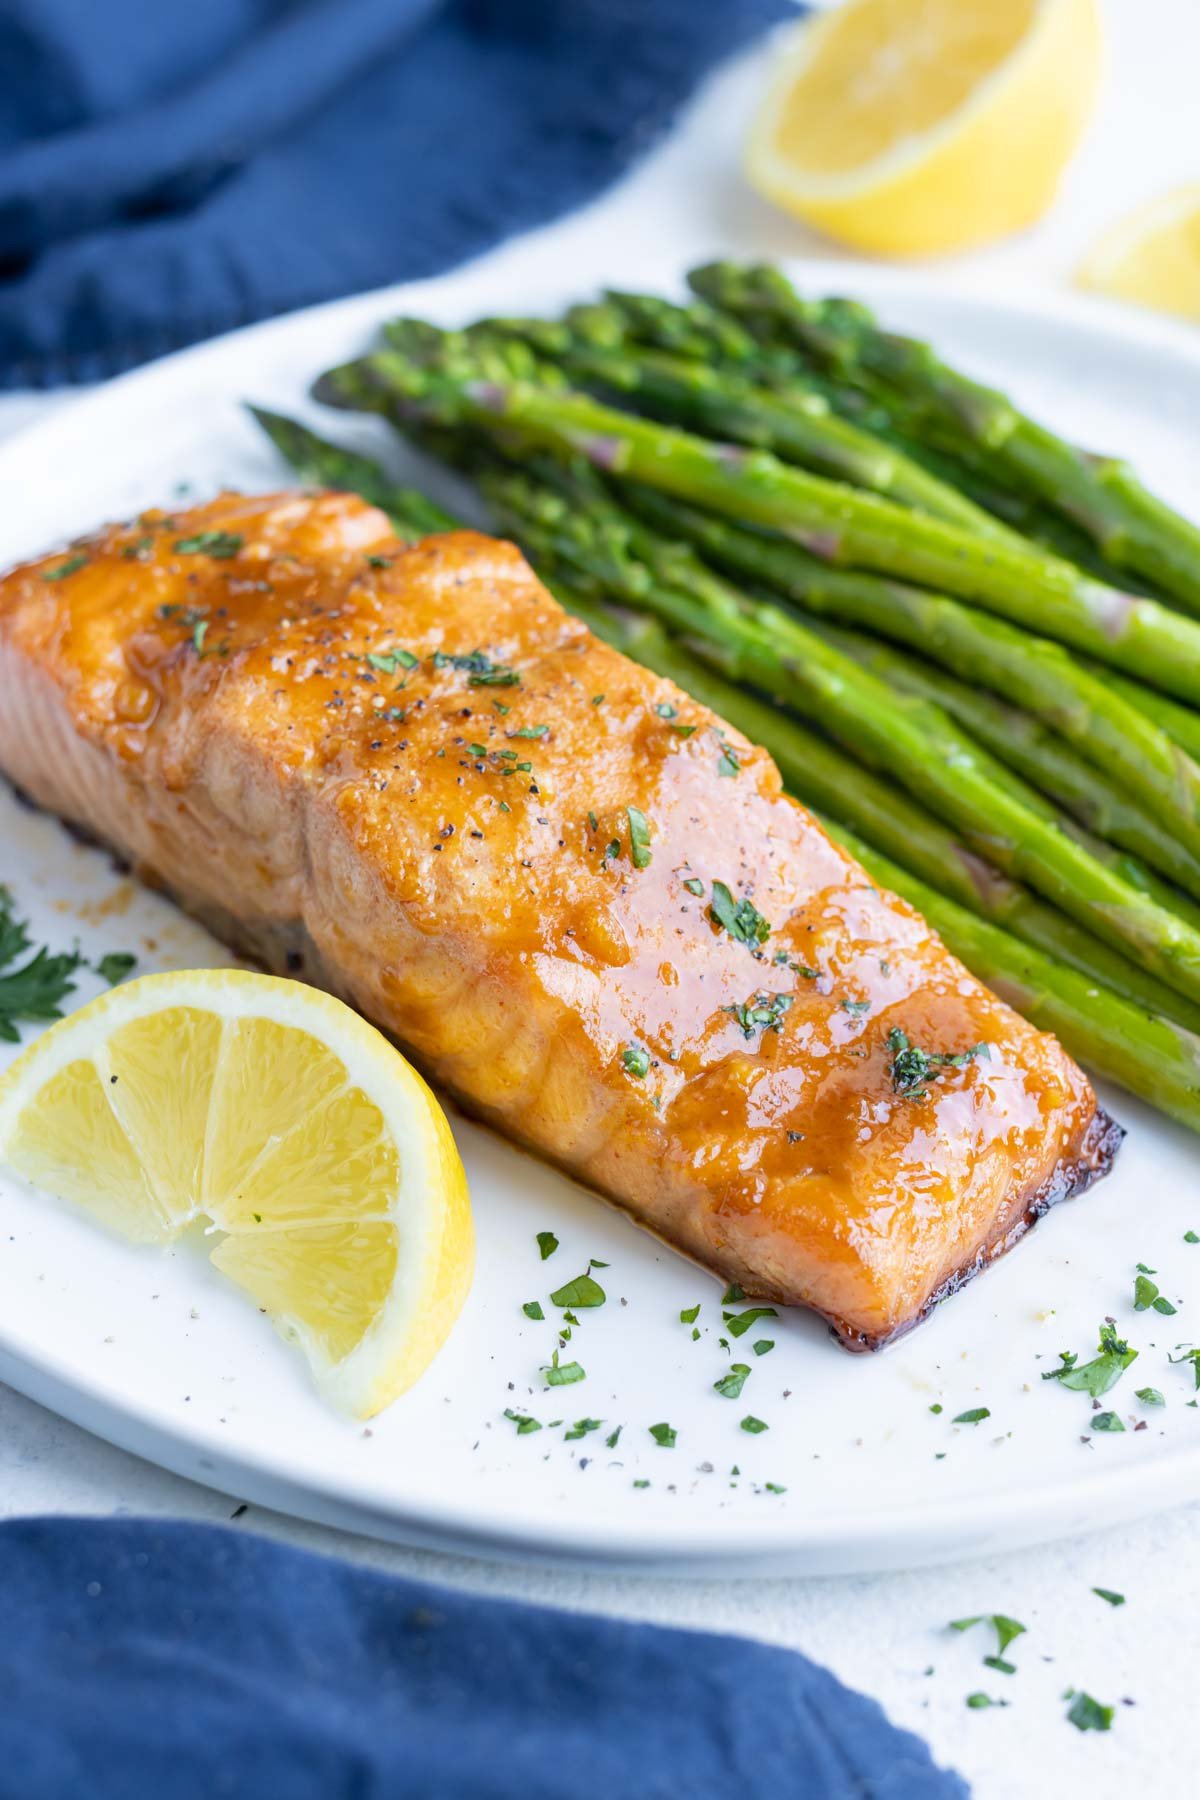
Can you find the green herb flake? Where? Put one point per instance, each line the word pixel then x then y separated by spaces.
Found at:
pixel 740 918
pixel 694 887
pixel 116 965
pixel 1007 1630
pixel 727 762
pixel 762 1345
pixel 532 731
pixel 665 710
pixel 479 668
pixel 1191 1237
pixel 639 838
pixel 642 1482
pixel 737 1324
pixel 731 1385
pixel 1150 1397
pixel 583 1291
pixel 974 1416
pixel 1113 1598
pixel 388 661
pixel 911 1067
pixel 379 562
pixel 533 1309
pixel 690 1314
pixel 856 1008
pixel 1106 1421
pixel 614 1437
pixel 664 1435
pixel 764 1012
pixel 978 1701
pixel 547 1243
pixel 72 566
pixel 1145 1294
pixel 580 1429
pixel 1099 1375
pixel 753 1425
pixel 562 1374
pixel 936 1407
pixel 732 1294
pixel 773 1487
pixel 522 1421
pixel 1087 1714
pixel 636 1061
pixel 219 544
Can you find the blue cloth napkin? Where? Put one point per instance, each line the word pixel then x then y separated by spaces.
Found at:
pixel 171 171
pixel 185 1662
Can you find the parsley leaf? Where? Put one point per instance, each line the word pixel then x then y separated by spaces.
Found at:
pixel 71 567
pixel 533 1309
pixel 1103 1372
pixel 690 1314
pixel 583 1291
pixel 664 1435
pixel 221 544
pixel 763 1013
pixel 580 1428
pixel 974 1416
pixel 1087 1714
pixel 753 1425
pixel 562 1374
pixel 1150 1397
pixel 547 1243
pixel 636 1061
pixel 33 990
pixel 731 1385
pixel 1145 1293
pixel 911 1067
pixel 737 1324
pixel 1106 1421
pixel 1006 1629
pixel 479 668
pixel 741 918
pixel 522 1421
pixel 1113 1599
pixel 116 965
pixel 639 838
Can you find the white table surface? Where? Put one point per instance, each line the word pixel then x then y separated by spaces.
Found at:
pixel 885 1634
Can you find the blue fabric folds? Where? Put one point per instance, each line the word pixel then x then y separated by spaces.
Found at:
pixel 191 1663
pixel 171 171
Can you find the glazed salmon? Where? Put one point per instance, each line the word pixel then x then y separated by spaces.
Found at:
pixel 577 898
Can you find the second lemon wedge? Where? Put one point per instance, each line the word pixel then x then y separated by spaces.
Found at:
pixel 1152 256
pixel 279 1116
pixel 916 127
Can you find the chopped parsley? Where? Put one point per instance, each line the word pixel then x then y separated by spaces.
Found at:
pixel 613 1437
pixel 1103 1372
pixel 34 989
pixel 533 1309
pixel 379 562
pixel 580 1428
pixel 694 887
pixel 479 668
pixel 753 1425
pixel 727 762
pixel 737 1324
pixel 583 1291
pixel 1006 1629
pixel 762 1345
pixel 72 566
pixel 116 965
pixel 1087 1714
pixel 547 1243
pixel 690 1314
pixel 732 1294
pixel 1150 1397
pixel 639 838
pixel 1192 1356
pixel 763 1013
pixel 911 1067
pixel 1106 1421
pixel 664 1435
pixel 1145 1293
pixel 977 1701
pixel 974 1416
pixel 522 1421
pixel 731 1385
pixel 857 1008
pixel 740 918
pixel 636 1061
pixel 532 731
pixel 1191 1237
pixel 388 661
pixel 562 1374
pixel 220 544
pixel 1114 1599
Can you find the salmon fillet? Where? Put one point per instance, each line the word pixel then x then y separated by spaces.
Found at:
pixel 577 898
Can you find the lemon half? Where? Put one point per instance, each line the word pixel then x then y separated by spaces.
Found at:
pixel 318 1156
pixel 1152 256
pixel 917 127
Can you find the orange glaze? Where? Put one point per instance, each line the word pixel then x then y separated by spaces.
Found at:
pixel 216 718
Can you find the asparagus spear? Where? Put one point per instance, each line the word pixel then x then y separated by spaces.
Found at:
pixel 1043 762
pixel 817 774
pixel 840 524
pixel 1151 1057
pixel 1128 750
pixel 1179 722
pixel 322 464
pixel 1102 495
pixel 800 425
pixel 916 742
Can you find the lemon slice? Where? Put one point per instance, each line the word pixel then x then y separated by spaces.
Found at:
pixel 915 127
pixel 319 1159
pixel 1152 256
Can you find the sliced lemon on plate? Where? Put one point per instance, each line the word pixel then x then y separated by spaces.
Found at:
pixel 1152 256
pixel 317 1156
pixel 917 127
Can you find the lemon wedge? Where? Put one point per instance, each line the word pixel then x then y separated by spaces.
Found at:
pixel 1152 256
pixel 320 1161
pixel 917 127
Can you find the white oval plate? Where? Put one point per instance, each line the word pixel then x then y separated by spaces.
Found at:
pixel 151 1350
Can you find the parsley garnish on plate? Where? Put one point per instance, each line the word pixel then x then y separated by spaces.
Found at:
pixel 533 1309
pixel 34 989
pixel 562 1374
pixel 762 1013
pixel 664 1435
pixel 736 1324
pixel 522 1421
pixel 116 965
pixel 730 1386
pixel 639 838
pixel 388 661
pixel 1145 1293
pixel 636 1061
pixel 1087 1714
pixel 1006 1629
pixel 479 668
pixel 547 1243
pixel 580 1428
pixel 583 1291
pixel 1106 1421
pixel 974 1416
pixel 1103 1372
pixel 1150 1397
pixel 753 1425
pixel 1114 1599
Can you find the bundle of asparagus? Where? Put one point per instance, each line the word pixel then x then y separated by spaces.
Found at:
pixel 797 516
